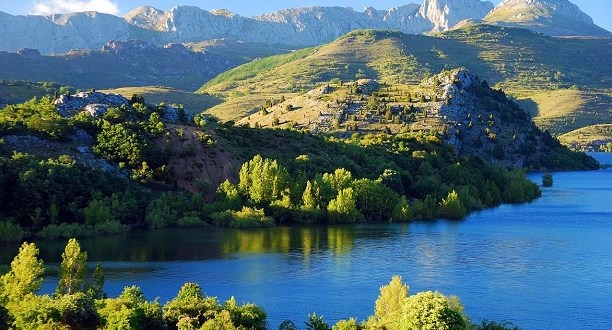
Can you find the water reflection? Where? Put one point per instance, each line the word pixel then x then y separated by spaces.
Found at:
pixel 215 243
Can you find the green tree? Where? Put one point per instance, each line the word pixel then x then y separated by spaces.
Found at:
pixel 131 311
pixel 73 269
pixel 547 180
pixel 263 180
pixel 349 324
pixel 401 211
pixel 390 303
pixel 97 212
pixel 343 208
pixel 451 207
pixel 25 275
pixel 311 196
pixel 316 322
pixel 190 303
pixel 340 179
pixel 95 288
pixel 375 200
pixel 430 311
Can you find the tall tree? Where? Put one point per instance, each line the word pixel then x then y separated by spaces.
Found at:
pixel 25 275
pixel 73 269
pixel 391 300
pixel 343 207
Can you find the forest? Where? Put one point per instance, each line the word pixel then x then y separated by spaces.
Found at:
pixel 287 176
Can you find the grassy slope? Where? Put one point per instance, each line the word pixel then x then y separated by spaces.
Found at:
pixel 22 92
pixel 589 137
pixel 562 111
pixel 194 103
pixel 529 66
pixel 174 66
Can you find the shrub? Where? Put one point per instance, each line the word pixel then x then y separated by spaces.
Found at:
pixel 245 218
pixel 190 220
pixel 547 180
pixel 65 230
pixel 452 208
pixel 10 232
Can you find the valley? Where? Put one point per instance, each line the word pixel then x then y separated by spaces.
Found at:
pixel 292 155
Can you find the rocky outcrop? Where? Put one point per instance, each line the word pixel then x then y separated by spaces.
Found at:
pixel 80 149
pixel 57 34
pixel 445 14
pixel 551 17
pixel 483 122
pixel 94 103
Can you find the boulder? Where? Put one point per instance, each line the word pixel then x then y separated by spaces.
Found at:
pixel 94 103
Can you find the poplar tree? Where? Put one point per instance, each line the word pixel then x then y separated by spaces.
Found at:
pixel 73 269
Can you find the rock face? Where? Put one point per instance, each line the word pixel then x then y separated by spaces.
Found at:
pixel 94 103
pixel 483 122
pixel 552 17
pixel 445 14
pixel 57 34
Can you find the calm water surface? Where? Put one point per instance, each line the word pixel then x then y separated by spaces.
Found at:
pixel 544 265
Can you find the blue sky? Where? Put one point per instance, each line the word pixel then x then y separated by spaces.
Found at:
pixel 599 10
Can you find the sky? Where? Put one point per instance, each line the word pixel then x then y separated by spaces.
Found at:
pixel 599 10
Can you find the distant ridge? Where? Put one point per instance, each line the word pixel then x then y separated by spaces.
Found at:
pixel 58 34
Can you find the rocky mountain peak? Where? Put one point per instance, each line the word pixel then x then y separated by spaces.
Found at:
pixel 542 7
pixel 223 12
pixel 552 17
pixel 444 14
pixel 146 17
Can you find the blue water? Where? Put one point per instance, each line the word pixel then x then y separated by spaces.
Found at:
pixel 544 265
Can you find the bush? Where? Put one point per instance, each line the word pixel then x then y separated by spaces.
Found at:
pixel 65 231
pixel 10 232
pixel 547 180
pixel 190 220
pixel 452 208
pixel 245 218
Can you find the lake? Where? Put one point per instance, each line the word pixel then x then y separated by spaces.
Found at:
pixel 543 265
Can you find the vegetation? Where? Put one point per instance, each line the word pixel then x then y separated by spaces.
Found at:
pixel 80 302
pixel 561 94
pixel 374 177
pixel 547 180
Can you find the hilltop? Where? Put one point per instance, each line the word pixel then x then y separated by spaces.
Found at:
pixel 551 17
pixel 454 106
pixel 530 67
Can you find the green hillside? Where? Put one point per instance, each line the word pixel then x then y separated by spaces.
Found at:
pixel 193 103
pixel 528 66
pixel 590 138
pixel 135 63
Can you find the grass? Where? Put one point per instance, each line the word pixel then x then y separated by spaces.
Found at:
pixel 588 138
pixel 562 111
pixel 258 67
pixel 564 82
pixel 194 103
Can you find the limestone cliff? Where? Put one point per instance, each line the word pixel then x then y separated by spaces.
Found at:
pixel 551 17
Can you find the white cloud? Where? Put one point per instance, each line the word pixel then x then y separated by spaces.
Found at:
pixel 48 7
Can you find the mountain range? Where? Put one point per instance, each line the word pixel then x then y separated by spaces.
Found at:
pixel 57 34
